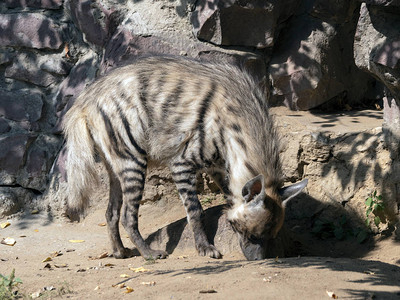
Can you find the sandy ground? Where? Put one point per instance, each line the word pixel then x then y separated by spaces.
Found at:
pixel 78 272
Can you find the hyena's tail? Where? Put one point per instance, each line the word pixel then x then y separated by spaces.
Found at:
pixel 81 172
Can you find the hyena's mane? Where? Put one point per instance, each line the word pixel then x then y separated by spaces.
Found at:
pixel 247 99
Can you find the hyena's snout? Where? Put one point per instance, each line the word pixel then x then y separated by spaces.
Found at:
pixel 253 249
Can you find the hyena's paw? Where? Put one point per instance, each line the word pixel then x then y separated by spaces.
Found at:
pixel 209 250
pixel 125 253
pixel 155 254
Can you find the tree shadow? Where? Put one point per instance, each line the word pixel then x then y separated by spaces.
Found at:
pixel 330 119
pixel 375 273
pixel 359 158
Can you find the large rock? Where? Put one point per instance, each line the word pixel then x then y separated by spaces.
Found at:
pixel 93 20
pixel 21 105
pixel 32 30
pixel 125 45
pixel 83 73
pixel 240 23
pixel 12 152
pixel 313 63
pixel 39 160
pixel 4 126
pixel 47 4
pixel 25 159
pixel 13 199
pixel 377 52
pixel 41 70
pixel 299 71
pixel 377 46
pixel 5 57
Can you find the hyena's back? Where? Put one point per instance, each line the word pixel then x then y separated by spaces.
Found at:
pixel 156 104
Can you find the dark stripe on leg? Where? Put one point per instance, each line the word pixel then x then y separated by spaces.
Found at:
pixel 183 172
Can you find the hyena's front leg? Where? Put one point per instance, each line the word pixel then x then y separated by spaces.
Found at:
pixel 184 176
pixel 132 183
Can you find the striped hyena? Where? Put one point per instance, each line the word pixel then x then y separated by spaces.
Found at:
pixel 191 116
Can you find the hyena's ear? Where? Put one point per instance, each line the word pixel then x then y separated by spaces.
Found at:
pixel 253 188
pixel 290 191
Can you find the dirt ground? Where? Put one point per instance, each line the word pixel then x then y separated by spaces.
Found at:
pixel 79 273
pixel 82 270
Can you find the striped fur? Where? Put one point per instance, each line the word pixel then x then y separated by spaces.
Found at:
pixel 190 116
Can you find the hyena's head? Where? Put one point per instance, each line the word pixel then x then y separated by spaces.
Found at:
pixel 260 214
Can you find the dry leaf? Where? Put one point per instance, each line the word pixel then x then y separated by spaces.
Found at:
pixel 47 259
pixel 76 241
pixel 332 295
pixel 109 265
pixel 124 276
pixel 149 283
pixel 55 254
pixel 61 266
pixel 101 256
pixel 102 224
pixel 8 241
pixel 119 285
pixel 36 230
pixel 5 224
pixel 128 290
pixel 139 270
pixel 34 212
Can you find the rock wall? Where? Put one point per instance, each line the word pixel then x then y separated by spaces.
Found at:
pixel 305 53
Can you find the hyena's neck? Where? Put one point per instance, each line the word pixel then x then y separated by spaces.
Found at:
pixel 239 169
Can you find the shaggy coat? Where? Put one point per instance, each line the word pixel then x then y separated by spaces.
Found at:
pixel 191 116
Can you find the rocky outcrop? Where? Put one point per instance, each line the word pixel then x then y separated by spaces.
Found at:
pixel 377 52
pixel 240 23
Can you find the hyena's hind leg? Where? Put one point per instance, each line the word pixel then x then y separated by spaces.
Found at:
pixel 184 175
pixel 132 179
pixel 113 216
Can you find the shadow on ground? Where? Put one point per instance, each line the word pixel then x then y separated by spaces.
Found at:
pixel 306 232
pixel 375 273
